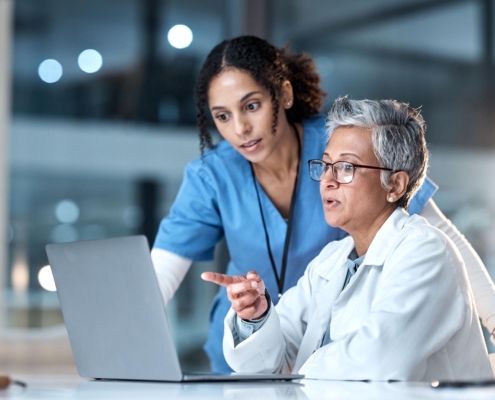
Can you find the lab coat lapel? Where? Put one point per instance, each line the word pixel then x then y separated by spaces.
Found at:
pixel 333 271
pixel 352 307
pixel 328 294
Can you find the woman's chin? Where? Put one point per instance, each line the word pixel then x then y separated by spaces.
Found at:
pixel 333 221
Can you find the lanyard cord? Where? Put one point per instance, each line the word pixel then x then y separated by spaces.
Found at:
pixel 280 280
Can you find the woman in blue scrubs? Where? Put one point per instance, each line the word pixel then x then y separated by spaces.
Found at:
pixel 253 188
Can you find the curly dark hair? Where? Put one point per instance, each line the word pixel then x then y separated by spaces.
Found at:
pixel 269 67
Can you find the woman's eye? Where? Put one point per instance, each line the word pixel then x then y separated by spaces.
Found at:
pixel 222 117
pixel 252 106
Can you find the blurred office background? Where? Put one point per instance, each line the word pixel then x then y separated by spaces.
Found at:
pixel 97 121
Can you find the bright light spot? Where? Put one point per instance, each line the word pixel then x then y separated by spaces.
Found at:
pixel 20 273
pixel 50 71
pixel 180 36
pixel 45 278
pixel 90 61
pixel 67 212
pixel 64 233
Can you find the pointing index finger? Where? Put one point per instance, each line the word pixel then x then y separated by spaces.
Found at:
pixel 219 279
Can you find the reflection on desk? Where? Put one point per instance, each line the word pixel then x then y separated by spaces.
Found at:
pixel 210 390
pixel 62 387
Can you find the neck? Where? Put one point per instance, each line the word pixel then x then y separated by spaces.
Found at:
pixel 365 233
pixel 284 159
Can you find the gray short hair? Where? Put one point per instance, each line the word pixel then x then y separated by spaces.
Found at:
pixel 398 136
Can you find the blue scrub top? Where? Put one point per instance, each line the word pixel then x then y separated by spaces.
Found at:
pixel 217 198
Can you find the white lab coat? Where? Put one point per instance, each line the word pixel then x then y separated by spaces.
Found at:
pixel 407 314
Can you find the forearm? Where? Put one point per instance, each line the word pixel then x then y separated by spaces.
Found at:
pixel 170 270
pixel 481 284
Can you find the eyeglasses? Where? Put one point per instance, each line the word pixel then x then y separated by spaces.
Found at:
pixel 342 171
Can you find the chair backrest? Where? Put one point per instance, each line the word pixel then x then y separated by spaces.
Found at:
pixel 492 362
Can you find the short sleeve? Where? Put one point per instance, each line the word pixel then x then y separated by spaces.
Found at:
pixel 425 193
pixel 194 225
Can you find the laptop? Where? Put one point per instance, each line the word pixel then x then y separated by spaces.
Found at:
pixel 114 313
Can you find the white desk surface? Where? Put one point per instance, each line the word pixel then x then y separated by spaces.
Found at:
pixel 56 387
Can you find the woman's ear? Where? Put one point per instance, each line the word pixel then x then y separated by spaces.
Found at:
pixel 398 186
pixel 287 95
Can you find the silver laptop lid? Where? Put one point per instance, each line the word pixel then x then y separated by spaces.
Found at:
pixel 113 309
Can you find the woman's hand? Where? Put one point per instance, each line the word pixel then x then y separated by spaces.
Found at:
pixel 246 293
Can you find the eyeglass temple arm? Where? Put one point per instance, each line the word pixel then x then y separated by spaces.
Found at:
pixel 369 166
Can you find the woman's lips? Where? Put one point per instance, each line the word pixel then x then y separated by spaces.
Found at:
pixel 251 146
pixel 330 204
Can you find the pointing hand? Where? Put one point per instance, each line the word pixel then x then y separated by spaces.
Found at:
pixel 246 293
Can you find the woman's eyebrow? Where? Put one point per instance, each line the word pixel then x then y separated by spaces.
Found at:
pixel 243 98
pixel 345 154
pixel 248 95
pixel 350 154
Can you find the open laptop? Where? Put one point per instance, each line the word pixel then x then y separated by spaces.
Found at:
pixel 114 313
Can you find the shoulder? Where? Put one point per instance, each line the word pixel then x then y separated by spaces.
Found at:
pixel 220 151
pixel 420 240
pixel 316 124
pixel 423 253
pixel 216 162
pixel 417 227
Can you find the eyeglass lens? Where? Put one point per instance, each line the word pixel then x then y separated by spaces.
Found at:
pixel 343 172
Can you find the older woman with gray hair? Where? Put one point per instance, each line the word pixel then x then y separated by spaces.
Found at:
pixel 391 300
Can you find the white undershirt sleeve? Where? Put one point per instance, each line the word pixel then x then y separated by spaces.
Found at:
pixel 481 283
pixel 170 270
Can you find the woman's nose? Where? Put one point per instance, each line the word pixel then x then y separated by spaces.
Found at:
pixel 241 126
pixel 327 178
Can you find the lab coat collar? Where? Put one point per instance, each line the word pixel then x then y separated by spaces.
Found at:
pixel 378 251
pixel 384 240
pixel 335 265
